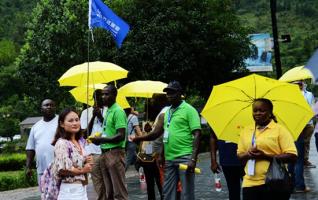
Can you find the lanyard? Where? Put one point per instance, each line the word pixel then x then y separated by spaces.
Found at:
pixel 171 114
pixel 254 138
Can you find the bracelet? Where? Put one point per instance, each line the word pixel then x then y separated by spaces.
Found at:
pixel 194 160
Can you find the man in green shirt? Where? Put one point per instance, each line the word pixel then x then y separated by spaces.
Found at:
pixel 181 129
pixel 113 140
pixel 181 137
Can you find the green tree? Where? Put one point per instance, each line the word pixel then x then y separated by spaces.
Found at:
pixel 199 43
pixel 55 41
pixel 9 123
pixel 8 52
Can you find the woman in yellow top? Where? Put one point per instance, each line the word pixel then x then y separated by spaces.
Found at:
pixel 257 146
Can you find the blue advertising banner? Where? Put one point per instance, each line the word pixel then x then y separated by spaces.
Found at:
pixel 262 53
pixel 103 17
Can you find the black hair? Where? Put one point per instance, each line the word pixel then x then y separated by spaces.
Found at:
pixel 49 99
pixel 270 106
pixel 112 89
pixel 127 111
pixel 97 92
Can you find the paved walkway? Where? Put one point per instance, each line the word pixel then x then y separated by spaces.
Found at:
pixel 204 184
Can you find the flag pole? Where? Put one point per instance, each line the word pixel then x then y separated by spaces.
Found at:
pixel 87 84
pixel 88 48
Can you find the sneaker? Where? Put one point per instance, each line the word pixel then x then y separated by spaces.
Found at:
pixel 308 164
pixel 307 189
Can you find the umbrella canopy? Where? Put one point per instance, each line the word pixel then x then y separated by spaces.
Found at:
pixel 99 72
pixel 80 95
pixel 296 73
pixel 229 107
pixel 142 89
pixel 312 65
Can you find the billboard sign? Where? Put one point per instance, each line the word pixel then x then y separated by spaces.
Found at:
pixel 262 45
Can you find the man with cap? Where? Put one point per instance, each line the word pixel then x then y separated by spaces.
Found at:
pixel 181 130
pixel 181 138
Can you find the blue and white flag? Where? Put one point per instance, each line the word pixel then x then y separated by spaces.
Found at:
pixel 101 16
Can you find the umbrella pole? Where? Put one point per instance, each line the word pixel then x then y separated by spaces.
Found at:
pixel 147 109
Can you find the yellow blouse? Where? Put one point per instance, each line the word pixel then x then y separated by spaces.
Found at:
pixel 274 139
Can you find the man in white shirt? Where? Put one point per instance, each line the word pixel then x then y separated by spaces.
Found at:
pixel 40 139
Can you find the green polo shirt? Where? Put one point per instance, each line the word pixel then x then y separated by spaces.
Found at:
pixel 114 119
pixel 184 119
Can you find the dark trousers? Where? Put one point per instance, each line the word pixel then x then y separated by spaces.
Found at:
pixel 262 193
pixel 152 176
pixel 233 176
pixel 297 169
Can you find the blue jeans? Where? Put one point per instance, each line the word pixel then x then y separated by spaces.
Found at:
pixel 130 154
pixel 173 175
pixel 297 170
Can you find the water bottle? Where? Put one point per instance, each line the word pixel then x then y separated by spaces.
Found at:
pixel 218 186
pixel 142 179
pixel 141 175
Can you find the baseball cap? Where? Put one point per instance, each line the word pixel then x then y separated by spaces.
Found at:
pixel 173 85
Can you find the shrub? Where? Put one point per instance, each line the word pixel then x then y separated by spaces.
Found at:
pixel 16 179
pixel 11 162
pixel 16 146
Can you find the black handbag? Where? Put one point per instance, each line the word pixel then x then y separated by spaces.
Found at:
pixel 142 157
pixel 278 178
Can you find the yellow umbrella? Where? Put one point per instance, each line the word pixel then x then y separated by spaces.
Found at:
pixel 142 89
pixel 99 72
pixel 229 107
pixel 122 101
pixel 80 95
pixel 296 73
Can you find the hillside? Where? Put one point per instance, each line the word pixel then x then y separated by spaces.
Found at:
pixel 295 17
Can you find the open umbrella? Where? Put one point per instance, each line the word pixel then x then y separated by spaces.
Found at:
pixel 296 73
pixel 142 89
pixel 92 73
pixel 145 89
pixel 229 107
pixel 80 95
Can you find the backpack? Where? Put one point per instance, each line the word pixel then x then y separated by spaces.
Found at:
pixel 49 185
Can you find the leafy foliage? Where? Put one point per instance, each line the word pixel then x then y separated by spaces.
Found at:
pixel 8 52
pixel 11 162
pixel 16 179
pixel 55 41
pixel 169 40
pixel 199 43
